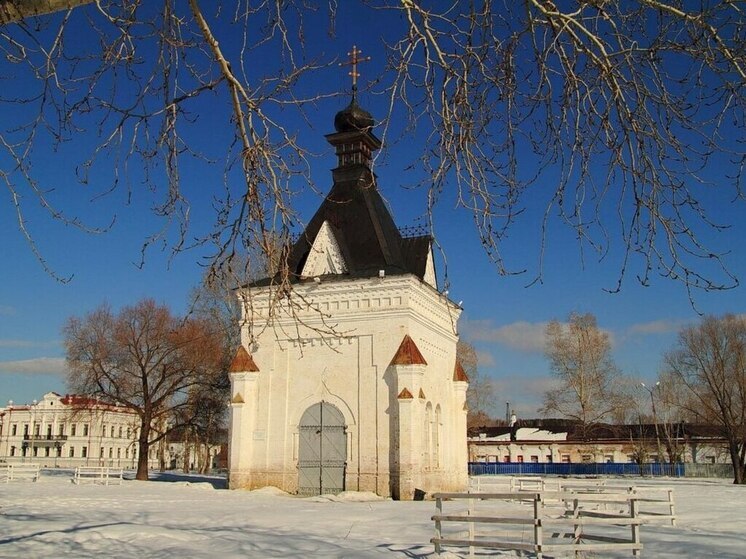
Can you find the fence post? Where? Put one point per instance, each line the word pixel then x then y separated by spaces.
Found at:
pixel 472 535
pixel 577 531
pixel 634 513
pixel 671 510
pixel 439 509
pixel 538 534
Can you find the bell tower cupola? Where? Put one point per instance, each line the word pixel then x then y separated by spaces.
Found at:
pixel 354 140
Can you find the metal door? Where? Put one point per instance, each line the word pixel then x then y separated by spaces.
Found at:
pixel 322 450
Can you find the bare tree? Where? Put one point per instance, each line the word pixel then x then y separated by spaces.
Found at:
pixel 204 417
pixel 608 117
pixel 588 382
pixel 145 359
pixel 710 361
pixel 480 396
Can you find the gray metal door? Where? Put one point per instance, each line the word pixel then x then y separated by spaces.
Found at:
pixel 322 450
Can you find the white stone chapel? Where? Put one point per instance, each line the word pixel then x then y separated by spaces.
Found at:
pixel 378 404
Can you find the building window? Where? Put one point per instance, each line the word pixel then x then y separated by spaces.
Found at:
pixel 103 430
pixel 535 459
pixel 71 454
pixel 519 458
pixel 129 433
pixel 36 451
pixel 710 459
pixel 507 459
pixel 84 452
pixel 12 451
pixel 61 430
pixel 565 458
pixel 111 452
pixel 37 428
pixel 73 428
pixel 549 458
pixel 586 458
pixel 25 429
pixel 59 451
pixel 112 431
pixel 46 451
pixel 85 429
pixel 14 429
pixel 609 459
pixel 119 453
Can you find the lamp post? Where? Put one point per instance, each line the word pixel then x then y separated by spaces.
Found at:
pixel 655 416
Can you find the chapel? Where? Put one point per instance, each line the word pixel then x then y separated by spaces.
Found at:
pixel 353 384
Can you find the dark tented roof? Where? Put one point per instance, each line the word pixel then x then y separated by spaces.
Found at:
pixel 364 229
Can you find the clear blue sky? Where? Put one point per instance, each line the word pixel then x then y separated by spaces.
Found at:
pixel 503 318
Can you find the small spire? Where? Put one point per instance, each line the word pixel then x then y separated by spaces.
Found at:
pixel 354 60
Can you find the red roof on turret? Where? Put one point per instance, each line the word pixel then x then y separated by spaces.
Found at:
pixel 243 362
pixel 459 375
pixel 408 353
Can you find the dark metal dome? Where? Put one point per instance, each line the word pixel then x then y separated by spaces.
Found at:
pixel 353 118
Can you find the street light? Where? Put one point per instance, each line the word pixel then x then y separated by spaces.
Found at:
pixel 655 416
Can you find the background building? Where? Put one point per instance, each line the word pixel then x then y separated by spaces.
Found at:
pixel 557 441
pixel 69 431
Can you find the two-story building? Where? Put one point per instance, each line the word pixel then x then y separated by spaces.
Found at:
pixel 69 431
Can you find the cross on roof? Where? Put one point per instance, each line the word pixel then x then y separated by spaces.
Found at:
pixel 354 60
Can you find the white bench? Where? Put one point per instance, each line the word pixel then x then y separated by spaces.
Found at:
pixel 15 472
pixel 96 474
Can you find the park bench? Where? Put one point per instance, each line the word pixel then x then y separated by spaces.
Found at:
pixel 98 474
pixel 15 472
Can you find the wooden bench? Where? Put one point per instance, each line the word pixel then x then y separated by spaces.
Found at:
pixel 15 472
pixel 96 474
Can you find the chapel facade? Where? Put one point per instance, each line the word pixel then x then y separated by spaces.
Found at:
pixel 352 383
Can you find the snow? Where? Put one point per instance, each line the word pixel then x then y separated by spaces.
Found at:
pixel 183 516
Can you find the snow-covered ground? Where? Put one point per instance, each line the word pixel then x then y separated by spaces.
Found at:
pixel 184 519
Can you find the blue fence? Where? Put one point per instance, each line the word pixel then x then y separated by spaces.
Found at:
pixel 584 469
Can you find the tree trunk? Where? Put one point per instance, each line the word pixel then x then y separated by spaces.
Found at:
pixel 739 468
pixel 143 448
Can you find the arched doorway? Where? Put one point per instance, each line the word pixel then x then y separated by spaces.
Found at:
pixel 322 450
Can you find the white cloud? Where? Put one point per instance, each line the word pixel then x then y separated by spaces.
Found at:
pixel 27 343
pixel 656 327
pixel 16 343
pixel 37 366
pixel 485 359
pixel 522 336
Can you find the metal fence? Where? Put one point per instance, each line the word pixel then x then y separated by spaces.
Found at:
pixel 601 469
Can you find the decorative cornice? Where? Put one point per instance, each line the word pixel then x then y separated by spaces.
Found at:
pixel 405 394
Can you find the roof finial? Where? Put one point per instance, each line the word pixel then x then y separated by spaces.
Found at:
pixel 354 60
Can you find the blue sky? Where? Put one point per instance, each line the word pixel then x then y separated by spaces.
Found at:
pixel 503 317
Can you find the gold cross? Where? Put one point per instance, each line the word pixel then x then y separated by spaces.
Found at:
pixel 354 60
